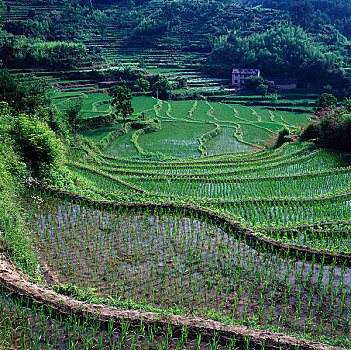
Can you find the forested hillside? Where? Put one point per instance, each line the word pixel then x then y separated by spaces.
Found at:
pixel 304 39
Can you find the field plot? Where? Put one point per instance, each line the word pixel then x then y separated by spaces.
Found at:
pixel 226 143
pixel 177 139
pixel 220 255
pixel 142 104
pixel 121 147
pixel 97 134
pixel 187 264
pixel 254 134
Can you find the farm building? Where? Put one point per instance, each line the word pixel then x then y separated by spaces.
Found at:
pixel 240 75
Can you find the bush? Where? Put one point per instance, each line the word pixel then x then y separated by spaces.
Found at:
pixel 13 235
pixel 282 137
pixel 330 128
pixel 279 138
pixel 310 132
pixel 37 144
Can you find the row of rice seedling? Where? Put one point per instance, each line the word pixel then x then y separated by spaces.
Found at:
pixel 301 187
pixel 225 165
pixel 188 265
pixel 335 238
pixel 110 160
pixel 275 213
pixel 225 142
pixel 297 162
pixel 103 181
pixel 30 326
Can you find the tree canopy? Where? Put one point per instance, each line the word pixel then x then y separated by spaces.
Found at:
pixel 284 51
pixel 121 100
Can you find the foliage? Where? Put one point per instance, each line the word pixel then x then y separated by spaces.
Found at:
pixel 262 90
pixel 13 234
pixel 331 127
pixel 141 85
pixel 325 101
pixel 36 143
pixel 149 125
pixel 314 14
pixel 284 51
pixel 279 138
pixel 161 87
pixel 73 114
pixel 253 82
pixel 121 100
pixel 23 95
pixel 16 51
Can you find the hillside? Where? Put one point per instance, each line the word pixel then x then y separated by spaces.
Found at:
pixel 145 203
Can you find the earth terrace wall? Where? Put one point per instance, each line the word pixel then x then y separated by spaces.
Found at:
pixel 53 303
pixel 223 221
pixel 207 137
pixel 11 280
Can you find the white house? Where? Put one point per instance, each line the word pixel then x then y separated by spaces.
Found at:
pixel 240 75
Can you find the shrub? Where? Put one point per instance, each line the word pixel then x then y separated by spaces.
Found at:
pixel 36 143
pixel 279 138
pixel 310 132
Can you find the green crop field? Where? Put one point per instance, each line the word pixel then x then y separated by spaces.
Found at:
pixel 199 221
pixel 176 139
pixel 185 125
pixel 171 230
pixel 232 246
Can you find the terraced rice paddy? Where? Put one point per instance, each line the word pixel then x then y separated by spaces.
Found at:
pixel 186 264
pixel 179 139
pixel 206 237
pixel 256 238
pixel 186 123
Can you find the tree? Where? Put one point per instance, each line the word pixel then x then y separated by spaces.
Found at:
pixel 141 85
pixel 73 114
pixel 161 87
pixel 262 89
pixel 121 100
pixel 23 97
pixel 302 12
pixel 100 20
pixel 325 101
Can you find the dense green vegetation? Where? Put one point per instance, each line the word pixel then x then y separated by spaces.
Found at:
pixel 131 178
pixel 268 37
pixel 284 51
pixel 314 14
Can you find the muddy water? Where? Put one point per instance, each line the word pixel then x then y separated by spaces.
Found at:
pixel 175 262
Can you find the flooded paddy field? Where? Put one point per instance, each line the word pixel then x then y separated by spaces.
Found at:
pixel 188 265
